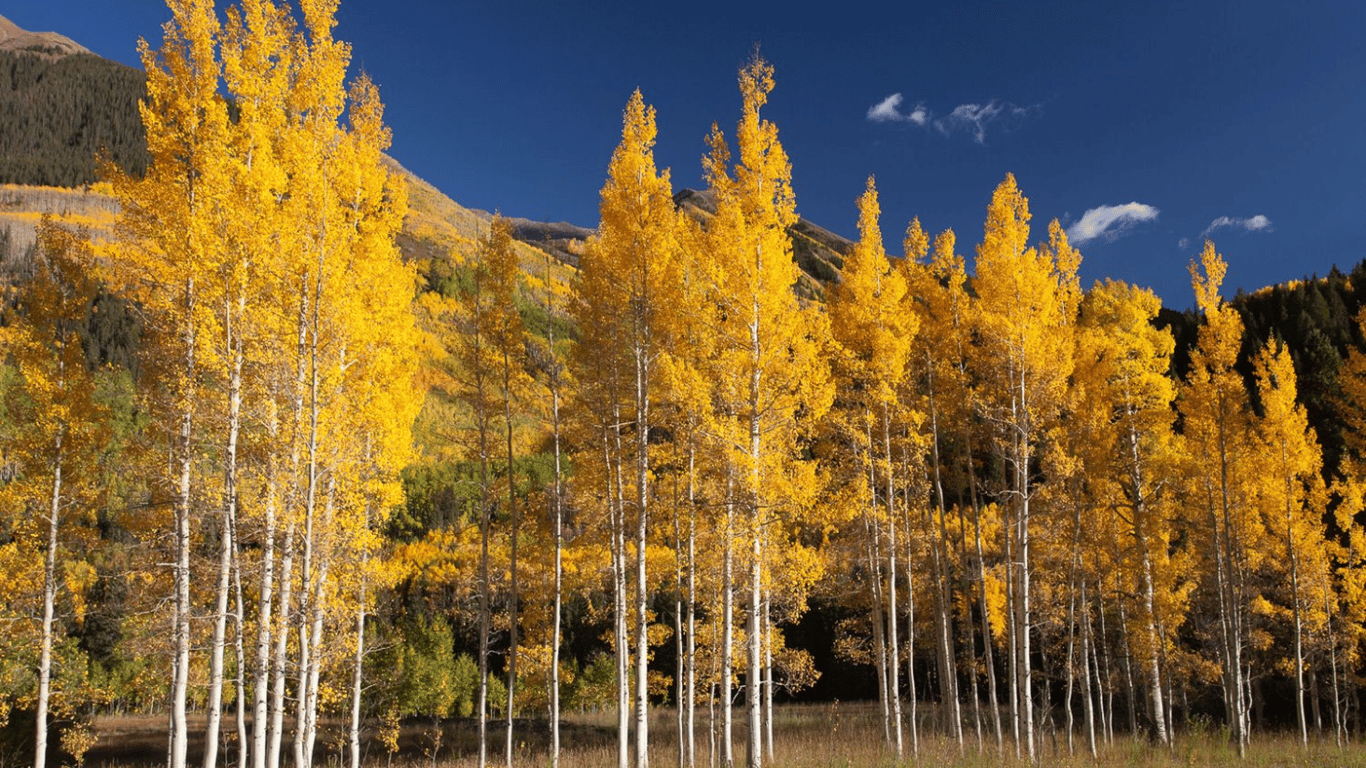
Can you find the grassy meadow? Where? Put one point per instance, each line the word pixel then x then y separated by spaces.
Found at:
pixel 833 735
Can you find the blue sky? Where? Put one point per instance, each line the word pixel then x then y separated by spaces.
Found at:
pixel 1141 127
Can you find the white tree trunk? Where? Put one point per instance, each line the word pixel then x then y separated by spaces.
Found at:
pixel 49 601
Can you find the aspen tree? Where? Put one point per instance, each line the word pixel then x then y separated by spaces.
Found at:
pixel 937 289
pixel 555 373
pixel 1025 326
pixel 169 253
pixel 637 253
pixel 508 339
pixel 66 423
pixel 483 317
pixel 948 310
pixel 255 54
pixel 1217 426
pixel 771 384
pixel 1295 462
pixel 683 371
pixel 600 369
pixel 382 344
pixel 869 323
pixel 1130 457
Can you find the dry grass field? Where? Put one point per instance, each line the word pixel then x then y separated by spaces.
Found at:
pixel 805 736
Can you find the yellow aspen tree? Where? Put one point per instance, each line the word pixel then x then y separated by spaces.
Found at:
pixel 945 345
pixel 488 316
pixel 869 323
pixel 633 262
pixel 1294 460
pixel 381 347
pixel 939 381
pixel 167 259
pixel 551 363
pixel 1024 300
pixel 770 381
pixel 688 415
pixel 600 370
pixel 66 423
pixel 255 52
pixel 1131 458
pixel 508 339
pixel 1217 426
pixel 1346 606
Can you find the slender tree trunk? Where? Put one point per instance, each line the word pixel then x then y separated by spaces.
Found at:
pixel 180 734
pixel 357 670
pixel 691 702
pixel 49 601
pixel 642 703
pixel 278 668
pixel 485 588
pixel 1106 688
pixel 261 685
pixel 1025 668
pixel 1299 621
pixel 1339 721
pixel 285 612
pixel 244 753
pixel 967 629
pixel 728 626
pixel 226 545
pixel 556 638
pixel 514 519
pixel 894 679
pixel 910 635
pixel 680 671
pixel 753 673
pixel 1012 625
pixel 756 567
pixel 1131 688
pixel 768 675
pixel 1071 627
pixel 874 555
pixel 622 613
pixel 1085 613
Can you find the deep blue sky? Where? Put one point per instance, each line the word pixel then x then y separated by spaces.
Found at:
pixel 1248 114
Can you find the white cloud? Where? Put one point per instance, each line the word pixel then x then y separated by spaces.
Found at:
pixel 1183 243
pixel 886 110
pixel 1109 222
pixel 1258 223
pixel 970 118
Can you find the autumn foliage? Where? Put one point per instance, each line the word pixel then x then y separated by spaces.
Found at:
pixel 484 484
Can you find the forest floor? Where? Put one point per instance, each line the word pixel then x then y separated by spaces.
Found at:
pixel 837 735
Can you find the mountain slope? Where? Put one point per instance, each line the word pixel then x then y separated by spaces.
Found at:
pixel 49 45
pixel 59 106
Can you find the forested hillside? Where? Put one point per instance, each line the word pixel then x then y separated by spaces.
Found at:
pixel 57 114
pixel 294 448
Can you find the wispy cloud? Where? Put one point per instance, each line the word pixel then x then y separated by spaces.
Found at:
pixel 889 111
pixel 1109 222
pixel 1183 243
pixel 1258 223
pixel 969 118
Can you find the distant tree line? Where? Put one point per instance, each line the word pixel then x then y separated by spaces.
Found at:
pixel 56 116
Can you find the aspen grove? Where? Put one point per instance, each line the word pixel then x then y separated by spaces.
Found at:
pixel 335 488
